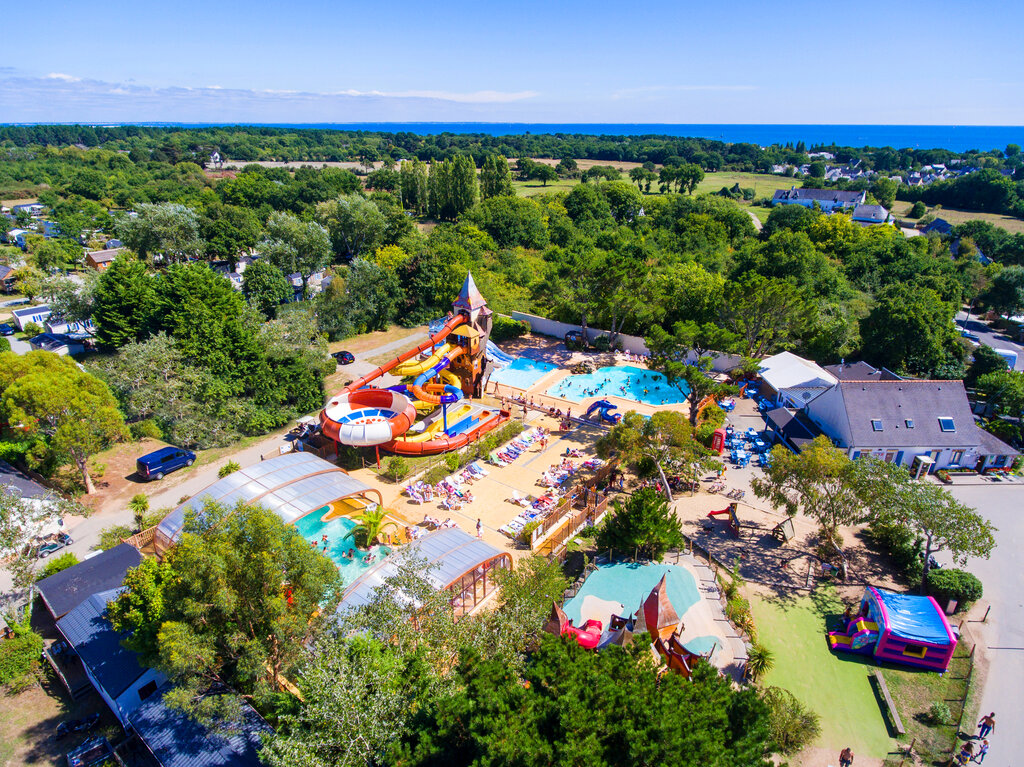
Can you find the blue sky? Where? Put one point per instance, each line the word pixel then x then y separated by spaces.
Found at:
pixel 940 62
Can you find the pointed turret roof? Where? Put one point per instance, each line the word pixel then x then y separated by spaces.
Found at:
pixel 657 610
pixel 469 297
pixel 556 622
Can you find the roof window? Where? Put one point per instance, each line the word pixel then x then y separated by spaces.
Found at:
pixel 946 424
pixel 876 424
pixel 909 422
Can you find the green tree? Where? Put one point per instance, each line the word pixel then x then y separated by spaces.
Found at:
pixel 819 480
pixel 495 177
pixel 985 360
pixel 30 282
pixel 670 353
pixel 294 246
pixel 884 190
pixel 139 505
pixel 918 209
pixel 585 203
pixel 816 169
pixel 644 525
pixel 910 328
pixel 1003 390
pixel 125 303
pixel 356 225
pixel 688 176
pixel 21 521
pixel 546 173
pixel 71 410
pixel 371 524
pixel 625 201
pixel 926 510
pixel 265 287
pixel 233 602
pixel 169 230
pixel 229 231
pixel 414 186
pixel 511 221
pixel 1006 294
pixel 374 295
pixel 766 314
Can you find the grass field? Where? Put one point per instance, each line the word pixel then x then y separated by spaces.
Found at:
pixel 764 185
pixel 837 688
pixel 954 216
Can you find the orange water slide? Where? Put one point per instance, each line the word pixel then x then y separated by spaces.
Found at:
pixel 433 394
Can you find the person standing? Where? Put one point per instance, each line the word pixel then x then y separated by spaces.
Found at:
pixel 479 528
pixel 987 725
pixel 846 757
pixel 980 756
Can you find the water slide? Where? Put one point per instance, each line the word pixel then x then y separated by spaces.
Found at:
pixel 415 367
pixel 448 394
pixel 496 355
pixel 603 406
pixel 587 637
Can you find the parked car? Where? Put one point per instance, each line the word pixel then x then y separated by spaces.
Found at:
pixel 61 541
pixel 344 358
pixel 973 337
pixel 6 329
pixel 163 461
pixel 574 340
pixel 88 724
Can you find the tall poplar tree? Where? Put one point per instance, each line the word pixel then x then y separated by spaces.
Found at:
pixel 495 177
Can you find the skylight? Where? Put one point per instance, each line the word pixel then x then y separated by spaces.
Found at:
pixel 946 424
pixel 910 423
pixel 876 424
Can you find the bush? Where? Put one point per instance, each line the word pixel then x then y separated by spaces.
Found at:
pixel 902 546
pixel 147 429
pixel 229 468
pixel 939 714
pixel 19 655
pixel 31 329
pixel 792 725
pixel 506 328
pixel 5 345
pixel 951 583
pixel 918 209
pixel 704 433
pixel 55 565
pixel 602 344
pixel 713 415
pixel 527 531
pixel 451 460
pixel 112 536
pixel 396 468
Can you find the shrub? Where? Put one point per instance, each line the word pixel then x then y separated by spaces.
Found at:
pixel 31 329
pixel 575 344
pixel 5 345
pixel 760 660
pixel 19 655
pixel 602 344
pixel 704 433
pixel 527 531
pixel 713 415
pixel 918 209
pixel 97 470
pixel 451 460
pixel 956 584
pixel 396 468
pixel 939 714
pixel 112 536
pixel 57 564
pixel 147 429
pixel 792 725
pixel 229 468
pixel 644 526
pixel 506 328
pixel 902 546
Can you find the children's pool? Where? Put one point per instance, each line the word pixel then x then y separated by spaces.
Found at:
pixel 637 384
pixel 620 588
pixel 522 373
pixel 338 532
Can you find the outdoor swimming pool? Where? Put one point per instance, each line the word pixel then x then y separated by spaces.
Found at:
pixel 621 587
pixel 522 373
pixel 338 542
pixel 637 384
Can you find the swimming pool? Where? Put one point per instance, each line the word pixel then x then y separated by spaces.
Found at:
pixel 620 588
pixel 637 384
pixel 338 532
pixel 522 373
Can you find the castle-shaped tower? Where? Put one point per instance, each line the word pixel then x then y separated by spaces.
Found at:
pixel 470 367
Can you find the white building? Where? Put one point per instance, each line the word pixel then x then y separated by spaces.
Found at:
pixel 793 381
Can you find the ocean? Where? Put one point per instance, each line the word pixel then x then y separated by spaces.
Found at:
pixel 958 138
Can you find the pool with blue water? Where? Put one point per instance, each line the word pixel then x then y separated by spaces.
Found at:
pixel 339 542
pixel 644 386
pixel 522 373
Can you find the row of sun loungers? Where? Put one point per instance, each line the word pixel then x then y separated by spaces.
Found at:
pixel 505 455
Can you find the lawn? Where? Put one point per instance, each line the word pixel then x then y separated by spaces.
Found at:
pixel 836 687
pixel 955 217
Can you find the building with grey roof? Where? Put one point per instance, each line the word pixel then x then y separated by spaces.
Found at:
pixel 900 421
pixel 826 199
pixel 21 483
pixel 870 215
pixel 62 592
pixel 114 670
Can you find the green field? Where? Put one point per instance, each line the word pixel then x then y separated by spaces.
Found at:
pixel 954 216
pixel 836 687
pixel 764 185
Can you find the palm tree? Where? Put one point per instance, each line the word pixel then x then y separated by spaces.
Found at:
pixel 371 525
pixel 139 504
pixel 760 660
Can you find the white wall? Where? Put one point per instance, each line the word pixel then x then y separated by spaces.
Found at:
pixel 829 413
pixel 129 700
pixel 631 344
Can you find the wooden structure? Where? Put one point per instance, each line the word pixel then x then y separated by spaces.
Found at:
pixel 784 532
pixel 656 615
pixel 732 521
pixel 678 658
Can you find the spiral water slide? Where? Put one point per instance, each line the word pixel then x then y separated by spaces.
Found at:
pixel 360 416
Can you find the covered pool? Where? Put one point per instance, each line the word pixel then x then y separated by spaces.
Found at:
pixel 339 543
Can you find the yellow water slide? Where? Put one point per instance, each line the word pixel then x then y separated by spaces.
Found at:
pixel 437 427
pixel 414 367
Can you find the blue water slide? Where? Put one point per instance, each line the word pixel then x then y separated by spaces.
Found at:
pixel 496 354
pixel 452 394
pixel 603 406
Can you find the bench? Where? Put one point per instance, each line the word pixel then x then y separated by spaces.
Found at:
pixel 897 722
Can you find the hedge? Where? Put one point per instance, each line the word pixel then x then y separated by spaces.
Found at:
pixel 19 655
pixel 951 583
pixel 506 328
pixel 509 431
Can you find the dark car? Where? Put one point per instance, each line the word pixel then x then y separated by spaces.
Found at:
pixel 88 724
pixel 574 339
pixel 61 541
pixel 6 329
pixel 344 358
pixel 163 461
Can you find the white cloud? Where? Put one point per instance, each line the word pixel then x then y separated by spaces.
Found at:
pixel 63 77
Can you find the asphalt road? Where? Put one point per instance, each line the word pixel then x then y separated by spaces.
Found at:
pixel 994 338
pixel 1003 634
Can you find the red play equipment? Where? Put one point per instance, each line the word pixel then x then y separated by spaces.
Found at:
pixel 586 637
pixel 733 522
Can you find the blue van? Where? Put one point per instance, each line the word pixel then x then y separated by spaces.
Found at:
pixel 163 461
